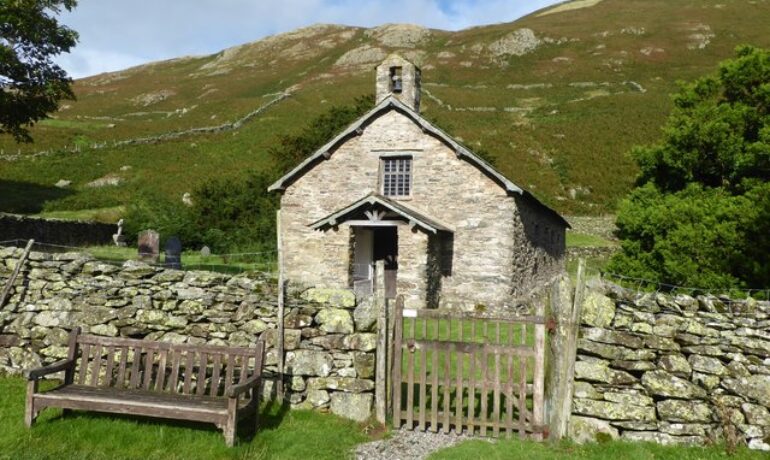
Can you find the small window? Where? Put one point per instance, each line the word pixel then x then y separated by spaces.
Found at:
pixel 397 176
pixel 396 82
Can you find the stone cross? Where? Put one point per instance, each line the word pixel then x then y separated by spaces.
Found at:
pixel 149 246
pixel 173 253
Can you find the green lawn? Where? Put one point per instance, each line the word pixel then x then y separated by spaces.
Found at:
pixel 193 260
pixel 584 240
pixel 515 449
pixel 282 434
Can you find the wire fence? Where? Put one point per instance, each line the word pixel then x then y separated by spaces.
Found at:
pixel 723 294
pixel 237 262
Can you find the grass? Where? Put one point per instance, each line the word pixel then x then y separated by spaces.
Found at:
pixel 193 260
pixel 105 215
pixel 529 450
pixel 584 240
pixel 282 434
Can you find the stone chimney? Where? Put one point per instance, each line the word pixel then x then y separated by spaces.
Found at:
pixel 401 78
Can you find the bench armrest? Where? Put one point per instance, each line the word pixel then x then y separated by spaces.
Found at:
pixel 58 366
pixel 237 390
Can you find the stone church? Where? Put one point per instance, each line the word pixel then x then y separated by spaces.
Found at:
pixel 451 230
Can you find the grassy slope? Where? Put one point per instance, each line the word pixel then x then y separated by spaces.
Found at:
pixel 283 434
pixel 574 136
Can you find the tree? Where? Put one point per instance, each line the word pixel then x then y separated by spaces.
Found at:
pixel 31 84
pixel 700 215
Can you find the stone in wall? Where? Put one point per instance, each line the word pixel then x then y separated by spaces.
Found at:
pixel 671 369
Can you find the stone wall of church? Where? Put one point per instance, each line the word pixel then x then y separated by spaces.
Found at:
pixel 447 188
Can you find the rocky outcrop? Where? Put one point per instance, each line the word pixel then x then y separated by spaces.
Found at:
pixel 329 356
pixel 671 369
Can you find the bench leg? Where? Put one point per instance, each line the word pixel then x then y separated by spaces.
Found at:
pixel 231 425
pixel 29 409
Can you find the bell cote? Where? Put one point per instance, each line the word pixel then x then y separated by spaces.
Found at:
pixel 398 77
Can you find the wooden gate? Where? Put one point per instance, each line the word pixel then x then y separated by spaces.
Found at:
pixel 472 372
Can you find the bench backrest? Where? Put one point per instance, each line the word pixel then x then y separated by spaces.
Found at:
pixel 203 370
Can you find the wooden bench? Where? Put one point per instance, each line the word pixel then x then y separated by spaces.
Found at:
pixel 205 383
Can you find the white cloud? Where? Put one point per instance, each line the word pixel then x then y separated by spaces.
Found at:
pixel 115 34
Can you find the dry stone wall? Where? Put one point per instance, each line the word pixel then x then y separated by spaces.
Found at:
pixel 329 340
pixel 672 369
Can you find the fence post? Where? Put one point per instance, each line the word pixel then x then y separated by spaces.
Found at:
pixel 538 383
pixel 281 308
pixel 15 274
pixel 563 349
pixel 382 342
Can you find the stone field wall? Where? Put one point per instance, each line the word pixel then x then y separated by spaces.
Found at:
pixel 329 341
pixel 55 231
pixel 672 369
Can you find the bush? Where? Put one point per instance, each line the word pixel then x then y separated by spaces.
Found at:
pixel 700 215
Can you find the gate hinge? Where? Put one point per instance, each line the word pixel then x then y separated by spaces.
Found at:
pixel 550 324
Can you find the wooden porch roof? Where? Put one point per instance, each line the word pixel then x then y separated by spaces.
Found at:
pixel 374 200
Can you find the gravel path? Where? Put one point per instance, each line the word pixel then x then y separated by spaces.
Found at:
pixel 407 445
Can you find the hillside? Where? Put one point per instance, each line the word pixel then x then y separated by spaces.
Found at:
pixel 558 98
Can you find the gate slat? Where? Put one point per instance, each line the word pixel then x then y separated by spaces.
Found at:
pixel 484 377
pixel 410 386
pixel 434 387
pixel 496 400
pixel 459 389
pixel 509 387
pixel 523 386
pixel 447 379
pixel 471 383
pixel 423 376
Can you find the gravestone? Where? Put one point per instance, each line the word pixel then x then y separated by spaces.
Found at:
pixel 205 251
pixel 149 246
pixel 173 253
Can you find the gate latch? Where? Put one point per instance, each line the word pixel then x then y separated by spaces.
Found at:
pixel 550 324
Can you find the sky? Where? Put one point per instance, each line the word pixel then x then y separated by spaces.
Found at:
pixel 116 34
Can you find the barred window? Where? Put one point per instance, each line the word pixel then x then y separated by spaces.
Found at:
pixel 396 176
